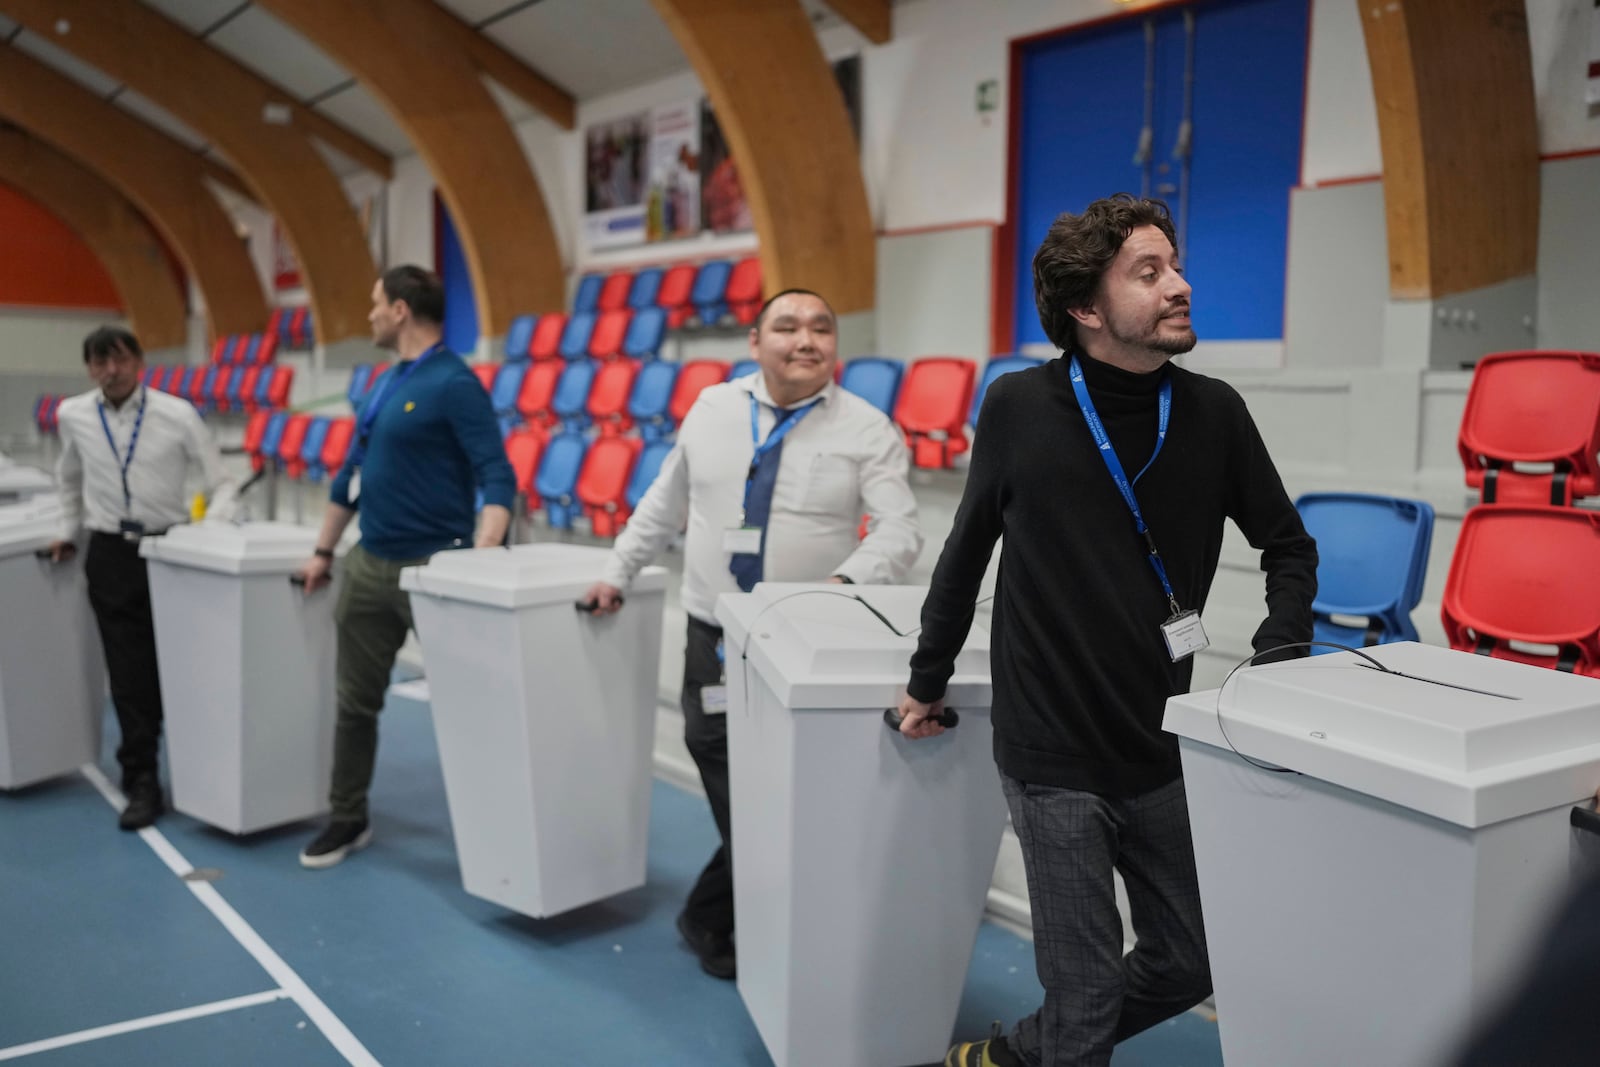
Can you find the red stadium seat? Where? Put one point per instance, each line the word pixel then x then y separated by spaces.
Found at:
pixel 538 391
pixel 485 373
pixel 608 396
pixel 609 331
pixel 254 430
pixel 614 291
pixel 1538 410
pixel 249 380
pixel 336 447
pixel 289 448
pixel 1529 575
pixel 693 378
pixel 524 447
pixel 676 286
pixel 546 343
pixel 603 483
pixel 282 383
pixel 744 290
pixel 267 350
pixel 932 409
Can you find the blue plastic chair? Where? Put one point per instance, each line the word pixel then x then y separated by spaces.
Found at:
pixel 235 390
pixel 246 353
pixel 1373 557
pixel 575 337
pixel 875 380
pixel 207 383
pixel 645 471
pixel 557 479
pixel 646 285
pixel 650 402
pixel 996 367
pixel 272 439
pixel 519 337
pixel 503 395
pixel 710 290
pixel 311 448
pixel 646 331
pixel 570 403
pixel 587 298
pixel 360 382
pixel 742 368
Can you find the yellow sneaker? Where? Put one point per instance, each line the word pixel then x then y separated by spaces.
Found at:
pixel 990 1052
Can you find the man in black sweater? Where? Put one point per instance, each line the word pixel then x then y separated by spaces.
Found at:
pixel 1110 473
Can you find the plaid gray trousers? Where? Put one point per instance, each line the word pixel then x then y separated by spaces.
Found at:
pixel 1094 995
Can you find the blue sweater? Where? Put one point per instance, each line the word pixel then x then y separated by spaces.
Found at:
pixel 433 441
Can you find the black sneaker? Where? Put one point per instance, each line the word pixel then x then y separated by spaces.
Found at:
pixel 341 838
pixel 145 804
pixel 714 950
pixel 993 1052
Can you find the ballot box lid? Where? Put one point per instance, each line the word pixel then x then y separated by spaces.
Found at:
pixel 233 548
pixel 1466 738
pixel 820 645
pixel 521 576
pixel 18 480
pixel 29 525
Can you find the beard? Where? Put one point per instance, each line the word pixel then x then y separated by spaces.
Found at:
pixel 1150 336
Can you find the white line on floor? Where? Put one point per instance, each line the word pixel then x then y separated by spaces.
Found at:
pixel 149 1021
pixel 335 1031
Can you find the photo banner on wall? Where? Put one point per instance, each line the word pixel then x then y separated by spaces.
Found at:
pixel 672 207
pixel 285 267
pixel 616 166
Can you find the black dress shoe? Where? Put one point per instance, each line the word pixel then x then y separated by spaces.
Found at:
pixel 145 805
pixel 714 950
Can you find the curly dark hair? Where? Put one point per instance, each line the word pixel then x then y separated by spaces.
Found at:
pixel 1077 251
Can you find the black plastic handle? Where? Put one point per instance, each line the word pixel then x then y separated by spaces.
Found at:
pixel 946 718
pixel 43 553
pixel 588 607
pixel 1586 819
pixel 297 580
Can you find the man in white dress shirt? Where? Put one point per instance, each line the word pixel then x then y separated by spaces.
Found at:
pixel 770 476
pixel 126 452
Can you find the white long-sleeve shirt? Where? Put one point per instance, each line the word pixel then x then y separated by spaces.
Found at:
pixel 173 443
pixel 841 461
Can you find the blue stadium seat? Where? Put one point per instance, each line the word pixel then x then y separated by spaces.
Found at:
pixel 710 291
pixel 743 367
pixel 1373 556
pixel 207 384
pixel 503 395
pixel 646 284
pixel 557 481
pixel 645 333
pixel 571 401
pixel 651 401
pixel 360 382
pixel 311 447
pixel 519 337
pixel 997 366
pixel 575 338
pixel 272 439
pixel 587 298
pixel 645 471
pixel 875 380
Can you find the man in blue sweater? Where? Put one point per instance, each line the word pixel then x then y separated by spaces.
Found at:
pixel 426 439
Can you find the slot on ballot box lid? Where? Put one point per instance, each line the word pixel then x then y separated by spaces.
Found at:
pixel 1467 731
pixel 521 576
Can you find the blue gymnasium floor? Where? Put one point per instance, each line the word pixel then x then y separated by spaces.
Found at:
pixel 399 965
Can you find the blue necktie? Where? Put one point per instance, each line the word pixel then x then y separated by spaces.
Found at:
pixel 747 566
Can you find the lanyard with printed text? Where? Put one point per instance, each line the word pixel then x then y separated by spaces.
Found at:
pixel 133 441
pixel 395 378
pixel 787 420
pixel 1103 442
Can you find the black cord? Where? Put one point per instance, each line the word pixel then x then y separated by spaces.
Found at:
pixel 1267 651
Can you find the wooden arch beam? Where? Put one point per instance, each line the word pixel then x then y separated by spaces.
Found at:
pixel 513 74
pixel 112 228
pixel 157 173
pixel 873 19
pixel 228 105
pixel 397 48
pixel 790 137
pixel 1459 129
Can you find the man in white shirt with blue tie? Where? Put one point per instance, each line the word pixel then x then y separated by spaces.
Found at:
pixel 126 454
pixel 769 479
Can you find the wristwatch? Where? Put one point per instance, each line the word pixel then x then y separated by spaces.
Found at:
pixel 325 553
pixel 845 579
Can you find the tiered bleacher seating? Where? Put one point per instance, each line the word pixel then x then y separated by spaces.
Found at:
pixel 291 327
pixel 1524 580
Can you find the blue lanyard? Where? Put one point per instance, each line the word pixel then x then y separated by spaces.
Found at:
pixel 396 378
pixel 1102 441
pixel 133 442
pixel 787 421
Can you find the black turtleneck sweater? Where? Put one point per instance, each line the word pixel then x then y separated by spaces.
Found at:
pixel 1081 673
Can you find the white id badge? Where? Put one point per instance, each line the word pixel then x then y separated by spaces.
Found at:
pixel 1184 635
pixel 355 486
pixel 714 699
pixel 742 540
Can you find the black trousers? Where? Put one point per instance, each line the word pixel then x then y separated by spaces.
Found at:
pixel 119 593
pixel 710 905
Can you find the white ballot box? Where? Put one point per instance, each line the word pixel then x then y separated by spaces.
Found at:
pixel 52 673
pixel 545 718
pixel 1367 908
pixel 19 482
pixel 246 664
pixel 861 859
